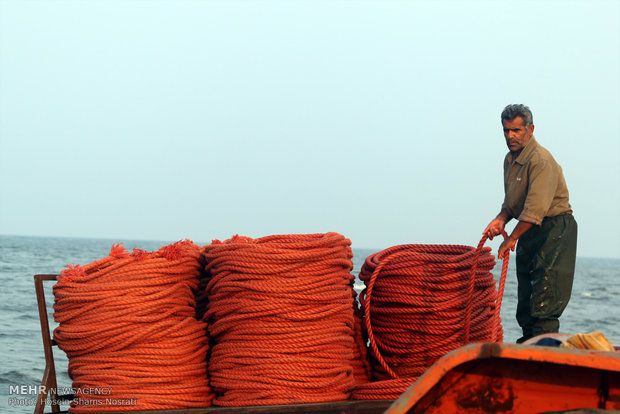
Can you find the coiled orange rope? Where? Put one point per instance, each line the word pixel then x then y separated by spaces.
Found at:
pixel 281 317
pixel 421 302
pixel 127 323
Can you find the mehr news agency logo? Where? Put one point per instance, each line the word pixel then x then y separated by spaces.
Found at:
pixel 100 396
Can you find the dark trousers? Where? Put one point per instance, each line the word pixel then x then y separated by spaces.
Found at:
pixel 545 268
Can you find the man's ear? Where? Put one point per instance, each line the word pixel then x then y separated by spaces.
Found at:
pixel 530 129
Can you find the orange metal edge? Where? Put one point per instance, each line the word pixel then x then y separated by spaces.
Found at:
pixel 608 361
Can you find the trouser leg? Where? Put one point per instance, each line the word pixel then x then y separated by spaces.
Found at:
pixel 545 268
pixel 524 292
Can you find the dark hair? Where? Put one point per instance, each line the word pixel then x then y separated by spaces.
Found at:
pixel 512 111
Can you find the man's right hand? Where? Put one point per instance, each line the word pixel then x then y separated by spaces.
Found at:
pixel 494 228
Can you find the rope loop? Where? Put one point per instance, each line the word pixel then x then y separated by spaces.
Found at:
pixel 127 324
pixel 421 302
pixel 282 317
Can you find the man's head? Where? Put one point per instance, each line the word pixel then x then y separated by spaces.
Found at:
pixel 518 127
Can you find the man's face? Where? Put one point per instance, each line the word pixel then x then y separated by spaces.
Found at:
pixel 516 134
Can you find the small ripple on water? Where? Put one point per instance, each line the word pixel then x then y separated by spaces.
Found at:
pixel 18 378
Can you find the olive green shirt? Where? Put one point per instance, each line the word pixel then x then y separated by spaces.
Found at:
pixel 534 185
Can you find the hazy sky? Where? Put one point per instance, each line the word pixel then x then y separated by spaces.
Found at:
pixel 376 119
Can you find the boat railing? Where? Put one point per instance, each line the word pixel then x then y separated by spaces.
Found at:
pixel 48 389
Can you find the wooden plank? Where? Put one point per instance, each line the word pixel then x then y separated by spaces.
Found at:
pixel 342 407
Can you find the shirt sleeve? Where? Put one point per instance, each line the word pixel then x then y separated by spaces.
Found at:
pixel 505 205
pixel 543 181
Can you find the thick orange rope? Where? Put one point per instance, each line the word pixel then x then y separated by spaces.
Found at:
pixel 496 332
pixel 421 302
pixel 282 320
pixel 127 323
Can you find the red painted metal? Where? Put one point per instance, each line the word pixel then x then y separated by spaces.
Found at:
pixel 507 378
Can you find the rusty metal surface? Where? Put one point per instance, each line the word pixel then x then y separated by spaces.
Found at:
pixel 507 378
pixel 49 374
pixel 338 407
pixel 613 393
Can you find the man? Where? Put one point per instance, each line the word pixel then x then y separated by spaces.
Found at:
pixel 535 194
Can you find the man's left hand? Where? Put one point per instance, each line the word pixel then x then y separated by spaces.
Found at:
pixel 507 244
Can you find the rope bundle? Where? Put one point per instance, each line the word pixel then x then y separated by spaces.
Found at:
pixel 281 317
pixel 421 302
pixel 127 323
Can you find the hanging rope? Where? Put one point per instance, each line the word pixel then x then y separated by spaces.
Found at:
pixel 282 320
pixel 497 329
pixel 127 323
pixel 421 302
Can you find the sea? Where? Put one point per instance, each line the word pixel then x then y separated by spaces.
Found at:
pixel 594 306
